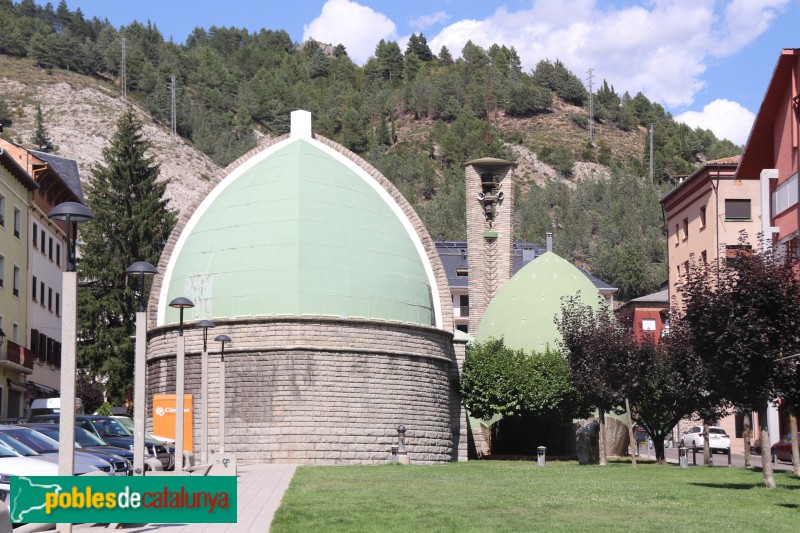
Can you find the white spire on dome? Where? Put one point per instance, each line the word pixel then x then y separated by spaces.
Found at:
pixel 301 124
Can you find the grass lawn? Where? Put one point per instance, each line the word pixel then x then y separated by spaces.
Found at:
pixel 490 496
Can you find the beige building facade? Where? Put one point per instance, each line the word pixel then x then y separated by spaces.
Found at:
pixel 709 216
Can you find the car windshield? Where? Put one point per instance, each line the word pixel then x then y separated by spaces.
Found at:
pixel 125 421
pixel 716 431
pixel 88 439
pixel 32 439
pixel 16 445
pixel 5 451
pixel 109 427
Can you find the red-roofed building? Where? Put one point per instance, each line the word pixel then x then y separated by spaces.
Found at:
pixel 771 156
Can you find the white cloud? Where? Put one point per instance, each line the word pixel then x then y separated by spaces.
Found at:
pixel 661 47
pixel 728 120
pixel 357 27
pixel 426 21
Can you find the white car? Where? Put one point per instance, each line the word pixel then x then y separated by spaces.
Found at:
pixel 718 439
pixel 12 464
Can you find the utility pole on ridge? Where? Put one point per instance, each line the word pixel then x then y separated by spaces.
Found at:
pixel 591 105
pixel 123 81
pixel 173 114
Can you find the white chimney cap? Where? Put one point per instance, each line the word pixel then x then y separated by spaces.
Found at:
pixel 301 124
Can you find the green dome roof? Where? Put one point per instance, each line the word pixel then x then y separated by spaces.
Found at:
pixel 300 229
pixel 523 312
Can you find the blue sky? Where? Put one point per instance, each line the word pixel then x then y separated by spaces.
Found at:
pixel 706 61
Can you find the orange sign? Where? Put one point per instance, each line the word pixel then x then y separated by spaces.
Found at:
pixel 164 418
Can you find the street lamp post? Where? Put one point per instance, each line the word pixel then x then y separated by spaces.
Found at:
pixel 71 213
pixel 205 324
pixel 141 268
pixel 181 304
pixel 223 339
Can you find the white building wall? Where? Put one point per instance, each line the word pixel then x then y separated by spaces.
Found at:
pixel 45 311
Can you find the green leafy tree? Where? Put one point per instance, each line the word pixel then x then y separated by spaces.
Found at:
pixel 40 137
pixel 526 100
pixel 499 380
pixel 131 219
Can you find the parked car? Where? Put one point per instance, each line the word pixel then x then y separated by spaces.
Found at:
pixel 109 429
pixel 718 439
pixel 14 464
pixel 30 443
pixel 782 450
pixel 129 425
pixel 121 459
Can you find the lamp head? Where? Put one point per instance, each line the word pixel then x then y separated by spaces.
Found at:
pixel 181 303
pixel 141 267
pixel 71 211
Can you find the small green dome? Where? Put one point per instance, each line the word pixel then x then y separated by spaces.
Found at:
pixel 524 310
pixel 300 229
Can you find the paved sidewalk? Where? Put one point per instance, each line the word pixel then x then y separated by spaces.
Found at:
pixel 260 490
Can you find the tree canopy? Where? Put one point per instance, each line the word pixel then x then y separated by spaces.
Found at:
pixel 499 380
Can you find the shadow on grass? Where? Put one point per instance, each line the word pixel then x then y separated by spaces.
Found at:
pixel 740 486
pixel 790 505
pixel 735 486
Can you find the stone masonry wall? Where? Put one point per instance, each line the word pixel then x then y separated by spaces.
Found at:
pixel 321 391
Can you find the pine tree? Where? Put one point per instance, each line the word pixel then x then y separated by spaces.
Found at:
pixel 40 138
pixel 131 219
pixel 445 58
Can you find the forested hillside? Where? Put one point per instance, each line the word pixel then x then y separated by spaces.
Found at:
pixel 416 114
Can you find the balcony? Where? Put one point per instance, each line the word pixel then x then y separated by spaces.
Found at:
pixel 17 358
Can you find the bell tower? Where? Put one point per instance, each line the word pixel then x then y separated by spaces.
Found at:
pixel 490 231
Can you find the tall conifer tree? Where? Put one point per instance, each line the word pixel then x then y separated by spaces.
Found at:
pixel 131 220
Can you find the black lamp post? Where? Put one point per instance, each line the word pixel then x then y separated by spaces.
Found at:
pixel 205 324
pixel 72 213
pixel 223 339
pixel 142 268
pixel 180 303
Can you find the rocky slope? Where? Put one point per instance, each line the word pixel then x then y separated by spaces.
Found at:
pixel 80 114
